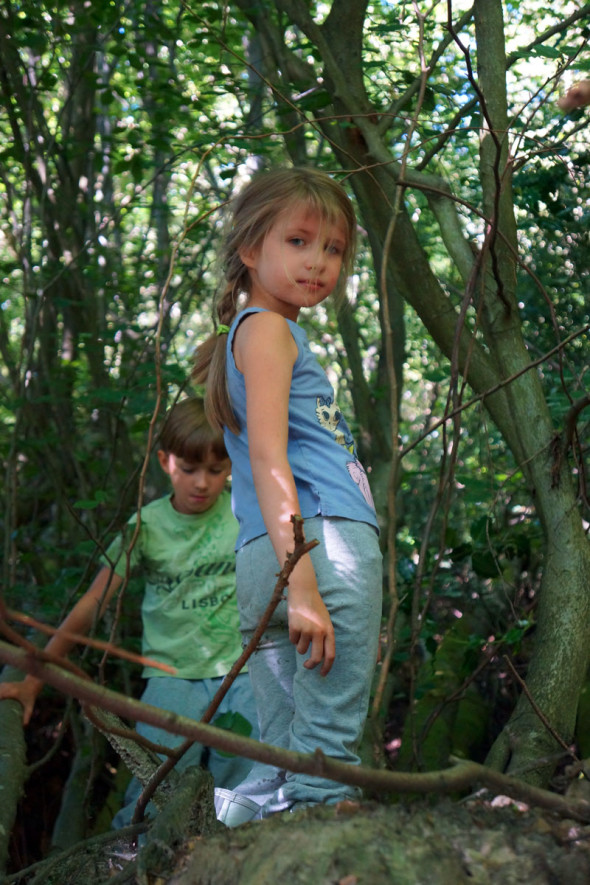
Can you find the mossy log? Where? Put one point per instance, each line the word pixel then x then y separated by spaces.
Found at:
pixel 448 844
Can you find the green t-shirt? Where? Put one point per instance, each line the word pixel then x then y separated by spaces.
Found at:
pixel 189 611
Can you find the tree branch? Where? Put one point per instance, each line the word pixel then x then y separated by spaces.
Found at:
pixel 463 775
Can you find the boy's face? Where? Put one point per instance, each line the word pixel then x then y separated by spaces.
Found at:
pixel 197 484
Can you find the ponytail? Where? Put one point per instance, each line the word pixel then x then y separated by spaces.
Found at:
pixel 209 368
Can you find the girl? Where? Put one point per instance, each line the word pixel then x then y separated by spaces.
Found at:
pixel 291 244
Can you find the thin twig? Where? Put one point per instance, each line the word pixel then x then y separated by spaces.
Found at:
pixel 538 711
pixel 80 639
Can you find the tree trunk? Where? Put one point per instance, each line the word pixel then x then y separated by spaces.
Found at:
pixel 559 664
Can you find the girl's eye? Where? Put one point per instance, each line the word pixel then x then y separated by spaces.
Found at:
pixel 296 241
pixel 334 250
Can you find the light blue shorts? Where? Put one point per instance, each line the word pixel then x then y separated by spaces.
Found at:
pixel 191 697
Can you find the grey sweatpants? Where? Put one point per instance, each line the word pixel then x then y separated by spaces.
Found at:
pixel 297 708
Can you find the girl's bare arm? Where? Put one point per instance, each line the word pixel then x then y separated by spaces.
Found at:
pixel 265 353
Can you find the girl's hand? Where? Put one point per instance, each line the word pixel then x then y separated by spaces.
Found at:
pixel 24 692
pixel 310 625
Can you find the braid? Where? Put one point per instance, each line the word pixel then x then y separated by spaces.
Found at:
pixel 226 305
pixel 209 367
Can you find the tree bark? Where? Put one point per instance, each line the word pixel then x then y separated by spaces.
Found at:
pixel 72 823
pixel 13 764
pixel 446 844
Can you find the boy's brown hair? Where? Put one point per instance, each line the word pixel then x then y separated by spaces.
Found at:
pixel 188 435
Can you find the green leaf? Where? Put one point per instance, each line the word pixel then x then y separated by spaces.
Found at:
pixel 484 564
pixel 546 52
pixel 314 101
pixel 234 722
pixel 461 551
pixel 481 529
pixel 92 503
pixel 388 28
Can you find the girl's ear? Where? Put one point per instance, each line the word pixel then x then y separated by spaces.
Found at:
pixel 164 459
pixel 248 256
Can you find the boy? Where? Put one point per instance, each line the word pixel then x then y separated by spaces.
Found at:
pixel 185 553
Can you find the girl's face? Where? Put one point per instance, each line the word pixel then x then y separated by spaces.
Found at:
pixel 298 263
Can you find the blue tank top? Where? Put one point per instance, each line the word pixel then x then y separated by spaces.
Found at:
pixel 330 479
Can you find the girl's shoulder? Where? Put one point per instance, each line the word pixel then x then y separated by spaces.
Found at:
pixel 263 326
pixel 261 316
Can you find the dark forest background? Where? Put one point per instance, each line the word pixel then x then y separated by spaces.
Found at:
pixel 461 356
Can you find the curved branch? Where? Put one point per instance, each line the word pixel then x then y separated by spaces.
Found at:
pixel 463 775
pixel 571 420
pixel 414 88
pixel 579 15
pixel 346 20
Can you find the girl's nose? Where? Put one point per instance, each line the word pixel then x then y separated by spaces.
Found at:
pixel 315 259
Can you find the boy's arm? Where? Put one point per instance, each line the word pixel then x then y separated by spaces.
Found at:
pixel 87 610
pixel 265 353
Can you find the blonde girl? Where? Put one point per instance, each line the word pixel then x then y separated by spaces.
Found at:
pixel 291 245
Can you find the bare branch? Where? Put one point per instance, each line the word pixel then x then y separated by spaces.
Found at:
pixel 463 775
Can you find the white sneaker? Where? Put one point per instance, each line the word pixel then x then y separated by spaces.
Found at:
pixel 232 809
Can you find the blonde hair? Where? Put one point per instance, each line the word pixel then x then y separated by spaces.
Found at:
pixel 255 210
